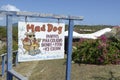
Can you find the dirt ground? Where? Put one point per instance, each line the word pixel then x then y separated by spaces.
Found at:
pixel 56 70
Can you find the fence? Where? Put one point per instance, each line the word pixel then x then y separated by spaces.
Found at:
pixel 4 61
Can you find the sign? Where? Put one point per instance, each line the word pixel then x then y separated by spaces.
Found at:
pixel 40 41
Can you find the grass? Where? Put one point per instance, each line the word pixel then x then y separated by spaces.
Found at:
pixel 56 70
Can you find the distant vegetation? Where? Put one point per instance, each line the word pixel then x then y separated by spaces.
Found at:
pixel 93 28
pixel 2 32
pixel 3 36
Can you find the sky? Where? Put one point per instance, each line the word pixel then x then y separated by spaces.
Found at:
pixel 95 12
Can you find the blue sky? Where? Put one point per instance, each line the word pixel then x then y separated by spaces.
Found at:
pixel 95 12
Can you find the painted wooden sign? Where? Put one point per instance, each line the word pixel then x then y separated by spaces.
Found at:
pixel 40 41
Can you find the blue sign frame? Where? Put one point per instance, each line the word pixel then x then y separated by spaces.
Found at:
pixel 10 15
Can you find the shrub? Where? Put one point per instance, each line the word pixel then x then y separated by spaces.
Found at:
pixel 101 51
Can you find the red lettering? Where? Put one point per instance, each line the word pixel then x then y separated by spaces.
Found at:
pixel 30 27
pixel 59 30
pixel 43 28
pixel 50 27
pixel 55 29
pixel 37 28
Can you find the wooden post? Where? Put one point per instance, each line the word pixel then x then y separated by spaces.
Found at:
pixel 9 46
pixel 3 56
pixel 69 53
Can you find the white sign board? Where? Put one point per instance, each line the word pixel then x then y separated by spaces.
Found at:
pixel 40 41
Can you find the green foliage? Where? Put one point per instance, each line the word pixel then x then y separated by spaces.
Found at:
pixel 2 32
pixel 3 50
pixel 89 28
pixel 93 28
pixel 15 38
pixel 15 33
pixel 100 51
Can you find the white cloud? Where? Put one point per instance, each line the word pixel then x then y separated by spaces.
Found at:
pixel 9 7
